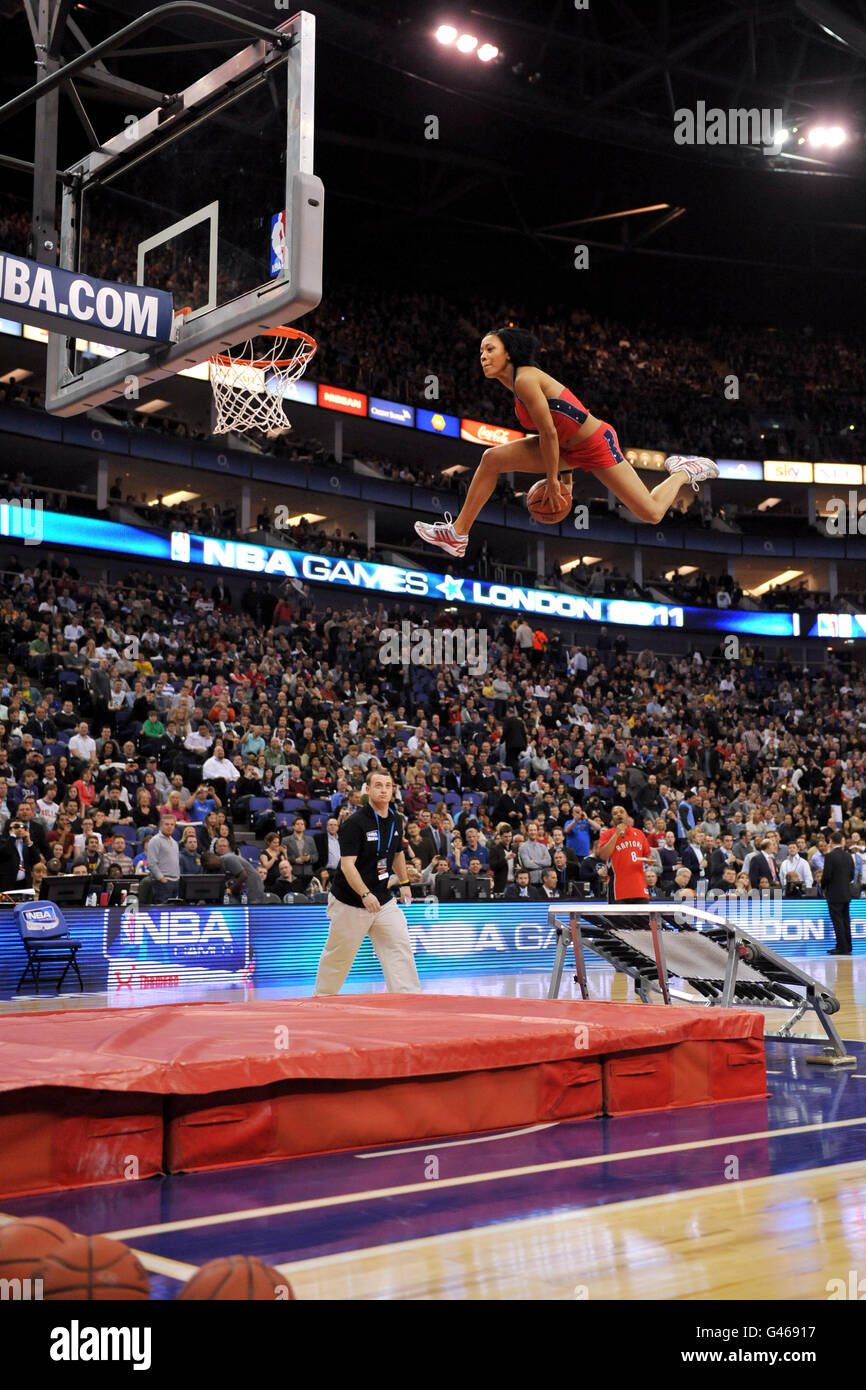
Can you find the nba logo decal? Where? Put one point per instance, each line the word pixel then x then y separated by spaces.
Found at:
pixel 278 242
pixel 180 546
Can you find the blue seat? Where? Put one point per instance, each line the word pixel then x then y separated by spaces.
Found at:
pixel 46 938
pixel 250 852
pixel 316 804
pixel 129 833
pixel 294 803
pixel 506 774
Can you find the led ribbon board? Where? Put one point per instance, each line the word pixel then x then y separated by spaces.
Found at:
pixel 183 547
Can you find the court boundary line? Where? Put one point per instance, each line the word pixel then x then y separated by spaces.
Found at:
pixel 466 1180
pixel 458 1143
pixel 557 1217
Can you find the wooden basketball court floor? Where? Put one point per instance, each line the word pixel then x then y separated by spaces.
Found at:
pixel 761 1200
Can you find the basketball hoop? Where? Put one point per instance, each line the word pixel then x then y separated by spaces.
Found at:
pixel 248 388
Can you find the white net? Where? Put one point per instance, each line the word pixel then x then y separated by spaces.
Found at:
pixel 249 386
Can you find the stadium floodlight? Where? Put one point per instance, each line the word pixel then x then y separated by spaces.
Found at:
pixel 817 136
pixel 467 43
pixel 446 33
pixel 836 136
pixel 487 52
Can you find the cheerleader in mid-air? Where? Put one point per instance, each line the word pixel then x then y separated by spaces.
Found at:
pixel 568 437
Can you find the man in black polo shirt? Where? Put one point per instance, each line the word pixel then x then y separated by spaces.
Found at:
pixel 360 902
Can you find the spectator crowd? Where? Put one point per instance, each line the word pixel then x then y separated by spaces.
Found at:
pixel 167 727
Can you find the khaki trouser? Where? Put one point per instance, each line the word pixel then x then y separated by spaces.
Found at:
pixel 389 935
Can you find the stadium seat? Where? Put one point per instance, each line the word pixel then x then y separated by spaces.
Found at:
pixel 46 938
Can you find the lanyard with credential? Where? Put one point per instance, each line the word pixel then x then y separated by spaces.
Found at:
pixel 378 834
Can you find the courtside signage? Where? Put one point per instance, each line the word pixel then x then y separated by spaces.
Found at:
pixel 839 474
pixel 337 398
pixel 787 471
pixel 434 422
pixel 182 547
pixel 748 470
pixel 392 412
pixel 477 432
pixel 44 296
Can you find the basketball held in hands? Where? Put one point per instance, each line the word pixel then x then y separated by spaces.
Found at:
pixel 539 508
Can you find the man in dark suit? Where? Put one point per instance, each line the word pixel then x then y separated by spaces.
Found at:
pixel 549 885
pixel 694 862
pixel 501 856
pixel 763 865
pixel 440 839
pixel 522 889
pixel 837 885
pixel 513 738
pixel 40 725
pixel 327 844
pixel 721 857
pixel 27 811
pixel 505 808
pixel 567 874
pixel 17 857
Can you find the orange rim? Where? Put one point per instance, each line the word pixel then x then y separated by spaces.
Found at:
pixel 262 363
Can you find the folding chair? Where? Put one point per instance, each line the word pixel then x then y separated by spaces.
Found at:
pixel 46 938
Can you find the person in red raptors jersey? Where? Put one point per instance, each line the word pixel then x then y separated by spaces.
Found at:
pixel 627 849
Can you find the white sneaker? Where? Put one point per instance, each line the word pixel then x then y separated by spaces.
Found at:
pixel 699 470
pixel 442 533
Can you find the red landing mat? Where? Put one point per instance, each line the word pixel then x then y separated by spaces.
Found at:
pixel 249 1082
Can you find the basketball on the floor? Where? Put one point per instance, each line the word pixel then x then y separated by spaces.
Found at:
pixel 541 512
pixel 24 1245
pixel 240 1278
pixel 94 1268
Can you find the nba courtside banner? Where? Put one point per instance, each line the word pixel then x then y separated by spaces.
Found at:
pixel 63 301
pixel 130 954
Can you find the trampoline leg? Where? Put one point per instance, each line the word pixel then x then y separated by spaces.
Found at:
pixel 558 962
pixel 579 961
pixel 837 1055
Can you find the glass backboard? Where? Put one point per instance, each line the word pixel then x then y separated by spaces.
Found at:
pixel 212 198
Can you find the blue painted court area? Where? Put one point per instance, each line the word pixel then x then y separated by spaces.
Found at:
pixel 308 1208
